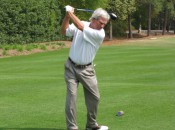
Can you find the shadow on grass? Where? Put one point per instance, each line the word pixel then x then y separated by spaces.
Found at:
pixel 30 129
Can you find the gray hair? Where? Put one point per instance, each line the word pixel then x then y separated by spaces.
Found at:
pixel 100 13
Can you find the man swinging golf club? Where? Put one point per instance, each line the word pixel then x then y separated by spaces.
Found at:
pixel 87 38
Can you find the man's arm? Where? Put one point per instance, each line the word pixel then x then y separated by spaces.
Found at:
pixel 71 16
pixel 65 24
pixel 76 20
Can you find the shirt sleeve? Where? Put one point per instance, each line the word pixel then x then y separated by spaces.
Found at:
pixel 70 30
pixel 93 36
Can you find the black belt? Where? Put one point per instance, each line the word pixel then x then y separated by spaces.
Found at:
pixel 77 65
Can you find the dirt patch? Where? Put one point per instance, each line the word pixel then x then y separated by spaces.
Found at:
pixel 15 52
pixel 123 41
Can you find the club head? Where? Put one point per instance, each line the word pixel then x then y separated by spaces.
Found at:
pixel 113 16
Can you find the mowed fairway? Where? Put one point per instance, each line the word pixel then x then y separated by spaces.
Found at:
pixel 137 77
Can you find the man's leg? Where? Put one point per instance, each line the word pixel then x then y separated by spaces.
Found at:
pixel 92 108
pixel 71 96
pixel 92 96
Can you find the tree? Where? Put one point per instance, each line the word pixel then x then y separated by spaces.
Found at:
pixel 124 9
pixel 131 8
pixel 153 7
pixel 174 16
pixel 168 9
pixel 149 18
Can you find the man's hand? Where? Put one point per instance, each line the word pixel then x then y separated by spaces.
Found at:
pixel 71 16
pixel 69 8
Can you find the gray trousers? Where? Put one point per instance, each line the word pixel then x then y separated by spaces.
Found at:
pixel 87 77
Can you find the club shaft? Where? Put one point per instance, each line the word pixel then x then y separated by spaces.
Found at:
pixel 85 10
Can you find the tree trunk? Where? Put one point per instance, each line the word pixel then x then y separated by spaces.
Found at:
pixel 129 26
pixel 165 21
pixel 149 19
pixel 110 32
pixel 174 26
pixel 174 21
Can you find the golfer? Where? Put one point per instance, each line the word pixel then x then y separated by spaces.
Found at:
pixel 87 38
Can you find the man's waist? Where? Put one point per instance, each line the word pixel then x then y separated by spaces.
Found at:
pixel 79 65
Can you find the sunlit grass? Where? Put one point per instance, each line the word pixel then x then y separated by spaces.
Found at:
pixel 135 78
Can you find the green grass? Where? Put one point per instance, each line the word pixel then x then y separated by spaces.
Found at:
pixel 136 77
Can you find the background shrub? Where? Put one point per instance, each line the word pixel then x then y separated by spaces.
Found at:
pixel 29 21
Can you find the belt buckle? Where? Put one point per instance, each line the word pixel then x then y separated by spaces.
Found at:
pixel 76 65
pixel 80 66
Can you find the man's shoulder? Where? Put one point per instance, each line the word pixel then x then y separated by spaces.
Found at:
pixel 86 23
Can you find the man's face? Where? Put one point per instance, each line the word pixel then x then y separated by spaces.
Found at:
pixel 98 23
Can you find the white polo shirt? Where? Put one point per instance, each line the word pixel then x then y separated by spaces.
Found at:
pixel 85 43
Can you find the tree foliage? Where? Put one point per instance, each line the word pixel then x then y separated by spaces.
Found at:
pixel 25 21
pixel 84 4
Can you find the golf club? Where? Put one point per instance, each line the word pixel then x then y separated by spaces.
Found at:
pixel 112 15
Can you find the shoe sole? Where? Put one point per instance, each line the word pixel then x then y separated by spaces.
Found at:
pixel 101 128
